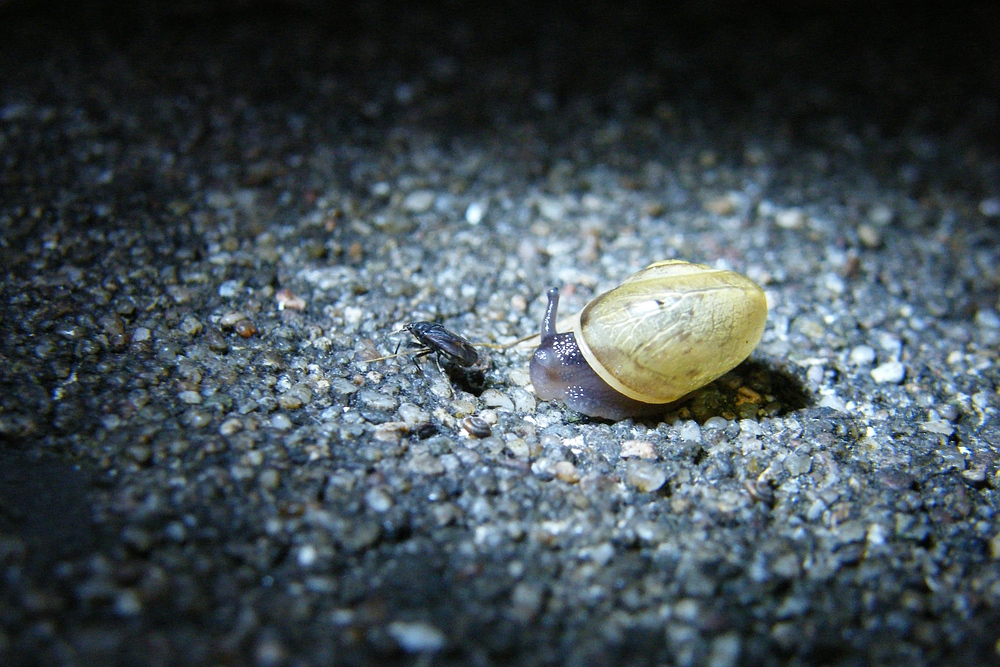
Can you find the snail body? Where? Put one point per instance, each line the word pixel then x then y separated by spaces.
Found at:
pixel 664 332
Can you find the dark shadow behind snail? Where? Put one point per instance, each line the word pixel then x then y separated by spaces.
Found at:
pixel 664 332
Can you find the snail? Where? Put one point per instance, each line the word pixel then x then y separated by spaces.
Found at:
pixel 664 332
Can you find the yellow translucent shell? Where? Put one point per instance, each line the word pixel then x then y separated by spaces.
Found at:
pixel 671 328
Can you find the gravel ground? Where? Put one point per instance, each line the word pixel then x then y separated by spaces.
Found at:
pixel 215 217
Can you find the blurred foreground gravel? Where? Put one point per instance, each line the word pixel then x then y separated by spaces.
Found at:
pixel 213 218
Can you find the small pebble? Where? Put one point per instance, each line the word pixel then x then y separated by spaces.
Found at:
pixel 519 377
pixel 551 208
pixel 881 214
pixel 426 464
pixel 790 218
pixel 231 318
pixel 518 448
pixel 245 328
pixel 833 402
pixel 189 397
pixel 175 531
pixel 690 431
pixel 976 474
pixel 815 374
pixel 644 476
pixel 281 422
pixel 191 325
pixel 378 500
pixel 523 401
pixel 342 386
pixel 197 418
pixel 288 299
pixel 462 408
pixel 390 431
pixel 295 398
pixel 722 205
pixel 891 343
pixel 718 423
pixel 230 288
pixel 127 603
pixel 938 426
pixel 495 399
pixel 475 212
pixel 862 355
pixel 567 472
pixel 412 415
pixel 869 236
pixel 987 318
pixel 307 555
pixel 526 601
pixel 417 637
pixel 441 388
pixel 377 400
pixel 140 453
pixel 230 426
pixel 418 201
pixel 544 469
pixel 891 372
pixel 641 449
pixel 270 479
pixel 990 207
pixel 949 412
pixel 798 464
pixel 215 341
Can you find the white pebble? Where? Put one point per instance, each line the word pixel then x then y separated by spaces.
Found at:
pixel 417 637
pixel 862 355
pixel 231 318
pixel 833 402
pixel 190 397
pixel 938 426
pixel 390 431
pixel 307 555
pixel 990 207
pixel 891 343
pixel 644 476
pixel 892 372
pixel 790 218
pixel 881 214
pixel 815 374
pixel 378 500
pixel 717 423
pixel 418 201
pixel 475 212
pixel 834 283
pixel 642 449
pixel 523 401
pixel 988 318
pixel 412 415
pixel 495 399
pixel 281 422
pixel 230 426
pixel 690 431
pixel 230 288
pixel 550 208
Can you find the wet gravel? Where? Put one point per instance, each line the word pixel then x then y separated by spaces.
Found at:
pixel 216 220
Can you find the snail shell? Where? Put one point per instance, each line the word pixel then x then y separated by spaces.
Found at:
pixel 665 331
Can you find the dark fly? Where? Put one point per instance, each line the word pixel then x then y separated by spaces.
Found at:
pixel 435 338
